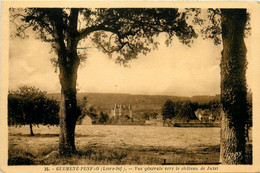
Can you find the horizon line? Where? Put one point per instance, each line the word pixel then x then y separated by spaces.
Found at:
pixel 203 95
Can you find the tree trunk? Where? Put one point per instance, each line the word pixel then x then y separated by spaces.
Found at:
pixel 31 130
pixel 233 86
pixel 69 111
pixel 68 60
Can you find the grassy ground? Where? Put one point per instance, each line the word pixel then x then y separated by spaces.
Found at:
pixel 96 155
pixel 103 145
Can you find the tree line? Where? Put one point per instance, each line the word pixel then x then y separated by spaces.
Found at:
pixel 29 105
pixel 185 110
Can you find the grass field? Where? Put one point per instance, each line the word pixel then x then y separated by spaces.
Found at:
pixel 121 145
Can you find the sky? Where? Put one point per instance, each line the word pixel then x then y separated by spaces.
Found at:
pixel 175 70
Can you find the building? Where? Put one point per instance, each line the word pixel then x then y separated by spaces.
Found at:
pixel 121 110
pixel 85 121
pixel 158 121
pixel 204 115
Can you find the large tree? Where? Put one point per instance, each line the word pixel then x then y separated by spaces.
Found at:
pixel 228 27
pixel 233 86
pixel 127 31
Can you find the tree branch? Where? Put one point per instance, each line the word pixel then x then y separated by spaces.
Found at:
pixel 84 33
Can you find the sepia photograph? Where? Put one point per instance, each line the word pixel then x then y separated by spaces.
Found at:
pixel 129 88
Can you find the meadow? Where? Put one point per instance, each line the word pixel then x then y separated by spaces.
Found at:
pixel 117 145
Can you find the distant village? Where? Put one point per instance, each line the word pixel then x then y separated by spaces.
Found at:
pixel 204 118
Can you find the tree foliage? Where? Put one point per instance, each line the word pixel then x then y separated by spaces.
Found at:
pixel 103 118
pixel 29 105
pixel 87 110
pixel 209 23
pixel 82 104
pixel 149 115
pixel 124 31
pixel 168 110
pixel 186 111
pixel 90 111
